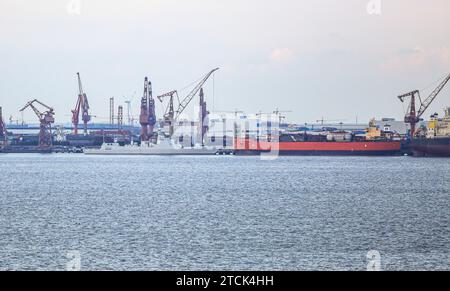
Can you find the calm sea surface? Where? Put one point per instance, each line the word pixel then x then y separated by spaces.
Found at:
pixel 215 213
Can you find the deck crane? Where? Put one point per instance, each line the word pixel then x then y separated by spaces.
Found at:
pixel 169 114
pixel 83 105
pixel 413 116
pixel 147 117
pixel 46 119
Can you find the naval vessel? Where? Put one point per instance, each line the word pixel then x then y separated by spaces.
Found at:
pixel 162 147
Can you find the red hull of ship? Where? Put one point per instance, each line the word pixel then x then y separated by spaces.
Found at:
pixel 249 146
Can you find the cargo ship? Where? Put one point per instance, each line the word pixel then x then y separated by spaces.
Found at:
pixel 431 147
pixel 374 142
pixel 433 141
pixel 294 147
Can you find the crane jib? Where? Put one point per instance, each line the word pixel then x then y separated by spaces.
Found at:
pixel 185 102
pixel 413 117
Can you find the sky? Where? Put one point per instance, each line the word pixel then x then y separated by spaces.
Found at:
pixel 330 59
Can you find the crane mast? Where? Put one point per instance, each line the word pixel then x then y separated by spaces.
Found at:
pixel 203 124
pixel 83 106
pixel 143 117
pixel 414 115
pixel 46 118
pixel 147 117
pixel 152 113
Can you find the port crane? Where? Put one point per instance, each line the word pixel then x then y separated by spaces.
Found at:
pixel 169 114
pixel 414 115
pixel 147 117
pixel 174 115
pixel 83 105
pixel 46 118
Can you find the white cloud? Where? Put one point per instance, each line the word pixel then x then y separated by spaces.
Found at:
pixel 417 59
pixel 282 55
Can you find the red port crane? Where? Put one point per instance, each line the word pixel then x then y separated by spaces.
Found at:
pixel 413 116
pixel 147 118
pixel 83 105
pixel 46 119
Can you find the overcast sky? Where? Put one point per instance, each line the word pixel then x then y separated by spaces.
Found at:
pixel 318 58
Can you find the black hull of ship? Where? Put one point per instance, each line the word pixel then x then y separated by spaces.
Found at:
pixel 431 147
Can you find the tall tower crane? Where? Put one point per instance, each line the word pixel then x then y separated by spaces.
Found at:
pixel 83 105
pixel 413 116
pixel 147 118
pixel 46 118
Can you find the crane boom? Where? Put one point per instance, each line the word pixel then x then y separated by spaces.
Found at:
pixel 185 102
pixel 168 94
pixel 30 104
pixel 46 119
pixel 427 102
pixel 413 117
pixel 42 104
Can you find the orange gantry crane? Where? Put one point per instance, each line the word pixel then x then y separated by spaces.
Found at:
pixel 46 118
pixel 414 115
pixel 83 106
